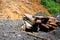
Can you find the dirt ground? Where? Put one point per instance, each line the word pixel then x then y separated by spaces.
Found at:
pixel 15 9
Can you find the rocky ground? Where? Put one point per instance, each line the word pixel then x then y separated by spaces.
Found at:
pixel 10 30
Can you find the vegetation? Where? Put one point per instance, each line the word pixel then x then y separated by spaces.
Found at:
pixel 52 6
pixel 58 1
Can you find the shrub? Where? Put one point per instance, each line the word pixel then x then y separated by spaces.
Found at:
pixel 52 6
pixel 58 1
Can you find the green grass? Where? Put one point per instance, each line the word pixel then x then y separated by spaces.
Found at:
pixel 52 6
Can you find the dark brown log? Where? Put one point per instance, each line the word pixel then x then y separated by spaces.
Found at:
pixel 45 26
pixel 58 23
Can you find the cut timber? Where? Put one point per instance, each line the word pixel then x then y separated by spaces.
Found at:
pixel 40 23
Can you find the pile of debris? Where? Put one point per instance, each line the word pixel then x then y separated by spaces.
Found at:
pixel 39 23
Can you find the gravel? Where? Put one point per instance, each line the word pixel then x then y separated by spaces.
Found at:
pixel 57 16
pixel 39 14
pixel 10 30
